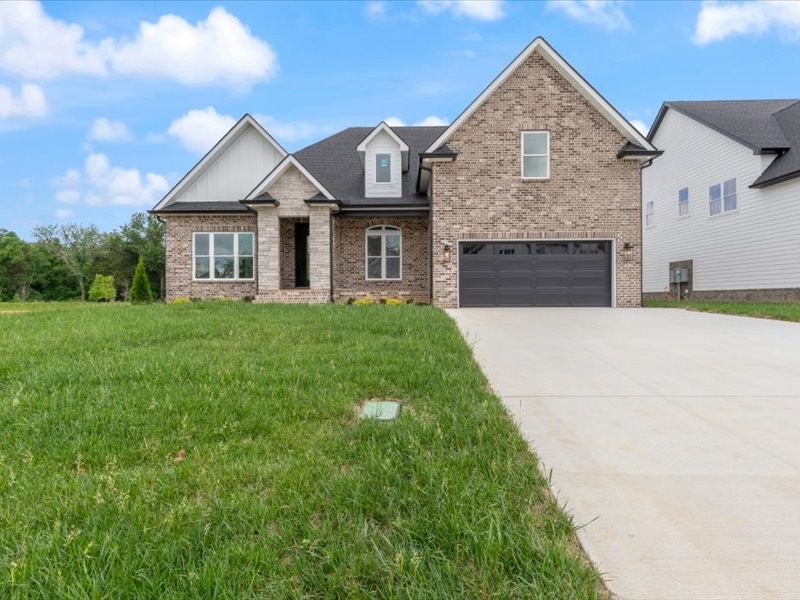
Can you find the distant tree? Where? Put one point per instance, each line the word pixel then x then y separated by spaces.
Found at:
pixel 140 288
pixel 102 289
pixel 143 236
pixel 117 259
pixel 14 264
pixel 77 246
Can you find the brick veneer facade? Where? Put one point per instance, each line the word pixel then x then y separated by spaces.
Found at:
pixel 179 257
pixel 349 271
pixel 590 193
pixel 287 257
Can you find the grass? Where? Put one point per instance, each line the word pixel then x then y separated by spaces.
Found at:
pixel 783 311
pixel 213 450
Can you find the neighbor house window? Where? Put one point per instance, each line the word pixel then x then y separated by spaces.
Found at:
pixel 649 214
pixel 223 256
pixel 722 197
pixel 535 154
pixel 384 252
pixel 683 202
pixel 383 168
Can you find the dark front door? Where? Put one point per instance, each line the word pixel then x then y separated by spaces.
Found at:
pixel 301 255
pixel 528 273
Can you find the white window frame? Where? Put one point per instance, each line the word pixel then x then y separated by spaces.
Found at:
pixel 382 231
pixel 523 155
pixel 211 256
pixel 722 197
pixel 649 213
pixel 391 160
pixel 683 205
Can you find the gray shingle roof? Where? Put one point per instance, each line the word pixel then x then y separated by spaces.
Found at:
pixel 335 163
pixel 204 207
pixel 787 165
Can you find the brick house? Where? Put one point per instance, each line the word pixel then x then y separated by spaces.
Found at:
pixel 531 197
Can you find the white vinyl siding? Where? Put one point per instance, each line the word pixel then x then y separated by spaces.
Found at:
pixel 649 214
pixel 382 144
pixel 535 159
pixel 734 250
pixel 222 256
pixel 683 202
pixel 384 253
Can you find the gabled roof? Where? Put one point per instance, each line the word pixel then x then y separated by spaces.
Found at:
pixel 204 207
pixel 335 162
pixel 382 126
pixel 280 169
pixel 546 51
pixel 246 121
pixel 787 165
pixel 752 123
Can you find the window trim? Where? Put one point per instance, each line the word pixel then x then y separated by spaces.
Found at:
pixel 522 154
pixel 722 197
pixel 391 160
pixel 382 231
pixel 651 204
pixel 682 203
pixel 211 256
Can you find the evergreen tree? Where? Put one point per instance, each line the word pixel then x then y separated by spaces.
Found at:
pixel 140 288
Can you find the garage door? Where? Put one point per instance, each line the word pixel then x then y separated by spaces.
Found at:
pixel 534 273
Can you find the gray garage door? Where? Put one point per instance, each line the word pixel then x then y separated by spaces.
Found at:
pixel 535 273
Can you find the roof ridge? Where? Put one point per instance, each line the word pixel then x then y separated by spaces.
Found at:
pixel 777 112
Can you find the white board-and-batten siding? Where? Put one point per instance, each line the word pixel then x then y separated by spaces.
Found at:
pixel 757 246
pixel 235 171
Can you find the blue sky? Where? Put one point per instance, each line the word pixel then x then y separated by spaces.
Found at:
pixel 103 106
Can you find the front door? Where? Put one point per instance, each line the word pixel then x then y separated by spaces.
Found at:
pixel 301 258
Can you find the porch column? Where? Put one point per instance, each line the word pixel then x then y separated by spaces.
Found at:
pixel 319 242
pixel 268 249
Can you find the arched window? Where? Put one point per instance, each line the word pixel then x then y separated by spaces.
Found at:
pixel 384 251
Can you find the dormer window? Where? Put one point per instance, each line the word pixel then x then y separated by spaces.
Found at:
pixel 383 168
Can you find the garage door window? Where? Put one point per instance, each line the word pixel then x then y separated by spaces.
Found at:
pixel 384 252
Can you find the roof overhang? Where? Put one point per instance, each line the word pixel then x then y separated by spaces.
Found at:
pixel 632 151
pixel 288 161
pixel 540 46
pixel 385 128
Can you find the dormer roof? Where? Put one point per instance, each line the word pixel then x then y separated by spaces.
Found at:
pixel 385 128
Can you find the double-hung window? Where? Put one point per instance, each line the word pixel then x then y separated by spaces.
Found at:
pixel 223 255
pixel 535 154
pixel 722 197
pixel 729 195
pixel 384 252
pixel 383 168
pixel 649 214
pixel 683 202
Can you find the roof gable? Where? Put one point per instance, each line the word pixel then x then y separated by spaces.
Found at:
pixel 247 121
pixel 382 127
pixel 280 169
pixel 540 46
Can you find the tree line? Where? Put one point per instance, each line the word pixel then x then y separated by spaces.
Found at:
pixel 63 260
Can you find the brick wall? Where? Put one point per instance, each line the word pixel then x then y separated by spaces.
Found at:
pixel 590 193
pixel 179 256
pixel 287 251
pixel 349 275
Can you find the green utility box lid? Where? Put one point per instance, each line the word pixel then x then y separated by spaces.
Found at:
pixel 382 410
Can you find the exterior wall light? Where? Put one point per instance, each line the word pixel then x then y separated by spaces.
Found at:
pixel 446 250
pixel 627 250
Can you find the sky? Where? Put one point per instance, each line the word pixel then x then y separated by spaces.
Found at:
pixel 104 106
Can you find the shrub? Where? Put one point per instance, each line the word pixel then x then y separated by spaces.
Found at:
pixel 181 300
pixel 363 301
pixel 102 289
pixel 140 288
pixel 394 301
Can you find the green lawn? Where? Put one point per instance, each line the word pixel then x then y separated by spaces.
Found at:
pixel 213 450
pixel 784 311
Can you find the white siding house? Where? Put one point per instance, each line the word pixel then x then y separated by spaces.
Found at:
pixel 742 245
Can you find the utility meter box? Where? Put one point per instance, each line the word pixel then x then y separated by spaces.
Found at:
pixel 679 276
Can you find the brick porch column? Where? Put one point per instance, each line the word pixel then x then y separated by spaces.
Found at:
pixel 268 248
pixel 319 242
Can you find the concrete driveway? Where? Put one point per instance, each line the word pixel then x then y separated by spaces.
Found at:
pixel 672 436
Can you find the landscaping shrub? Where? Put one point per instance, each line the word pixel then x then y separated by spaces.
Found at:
pixel 363 301
pixel 140 289
pixel 181 300
pixel 102 289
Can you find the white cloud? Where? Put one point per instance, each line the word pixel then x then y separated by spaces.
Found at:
pixel 288 131
pixel 376 10
pixel 218 50
pixel 717 21
pixel 102 183
pixel 63 214
pixel 607 14
pixel 30 102
pixel 394 122
pixel 640 125
pixel 431 120
pixel 479 10
pixel 199 129
pixel 106 130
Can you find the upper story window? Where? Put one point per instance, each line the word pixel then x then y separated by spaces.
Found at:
pixel 384 252
pixel 649 214
pixel 223 255
pixel 535 154
pixel 722 197
pixel 683 202
pixel 383 168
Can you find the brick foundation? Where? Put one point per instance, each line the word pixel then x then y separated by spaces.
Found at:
pixel 759 295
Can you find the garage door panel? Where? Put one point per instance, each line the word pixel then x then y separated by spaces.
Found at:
pixel 535 273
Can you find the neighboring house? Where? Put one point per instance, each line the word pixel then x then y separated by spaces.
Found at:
pixel 530 197
pixel 722 205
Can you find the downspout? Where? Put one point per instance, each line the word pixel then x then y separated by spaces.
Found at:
pixel 430 237
pixel 330 252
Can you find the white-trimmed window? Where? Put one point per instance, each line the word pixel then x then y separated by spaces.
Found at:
pixel 383 167
pixel 535 154
pixel 384 251
pixel 222 255
pixel 722 197
pixel 683 202
pixel 649 214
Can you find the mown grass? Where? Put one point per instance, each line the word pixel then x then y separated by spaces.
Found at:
pixel 783 311
pixel 213 450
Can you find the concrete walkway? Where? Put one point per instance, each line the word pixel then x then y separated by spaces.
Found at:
pixel 673 437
